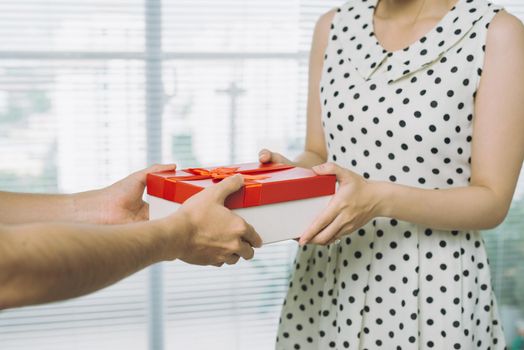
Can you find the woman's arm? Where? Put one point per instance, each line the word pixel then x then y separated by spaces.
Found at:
pixel 53 261
pixel 315 149
pixel 497 156
pixel 497 146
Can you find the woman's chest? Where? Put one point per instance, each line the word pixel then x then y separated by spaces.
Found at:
pixel 430 107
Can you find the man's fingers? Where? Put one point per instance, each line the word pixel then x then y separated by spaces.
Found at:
pixel 143 215
pixel 141 174
pixel 228 186
pixel 232 259
pixel 160 167
pixel 322 221
pixel 246 251
pixel 252 237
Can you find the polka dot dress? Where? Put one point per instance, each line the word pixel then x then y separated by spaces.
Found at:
pixel 405 117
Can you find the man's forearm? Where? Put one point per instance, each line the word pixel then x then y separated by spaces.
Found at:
pixel 54 261
pixel 22 208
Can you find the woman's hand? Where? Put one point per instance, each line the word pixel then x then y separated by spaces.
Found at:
pixel 354 204
pixel 266 156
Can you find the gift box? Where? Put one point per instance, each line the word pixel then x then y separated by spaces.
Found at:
pixel 280 201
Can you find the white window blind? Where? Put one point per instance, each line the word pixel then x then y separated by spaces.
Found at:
pixel 90 91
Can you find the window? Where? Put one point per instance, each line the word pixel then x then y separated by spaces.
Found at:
pixel 90 91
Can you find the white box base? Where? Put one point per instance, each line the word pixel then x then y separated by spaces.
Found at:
pixel 274 222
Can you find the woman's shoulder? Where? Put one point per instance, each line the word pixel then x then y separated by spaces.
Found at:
pixel 329 18
pixel 506 26
pixel 326 19
pixel 505 29
pixel 504 50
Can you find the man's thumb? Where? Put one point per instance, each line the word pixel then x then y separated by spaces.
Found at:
pixel 228 186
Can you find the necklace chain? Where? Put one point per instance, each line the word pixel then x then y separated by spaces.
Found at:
pixel 418 14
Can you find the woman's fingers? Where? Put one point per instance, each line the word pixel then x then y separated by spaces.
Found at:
pixel 346 229
pixel 322 221
pixel 329 233
pixel 342 174
pixel 266 156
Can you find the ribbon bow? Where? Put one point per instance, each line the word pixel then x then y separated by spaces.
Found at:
pixel 220 174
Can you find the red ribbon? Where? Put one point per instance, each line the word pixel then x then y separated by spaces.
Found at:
pixel 221 173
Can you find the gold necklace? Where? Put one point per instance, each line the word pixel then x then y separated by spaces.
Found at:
pixel 418 14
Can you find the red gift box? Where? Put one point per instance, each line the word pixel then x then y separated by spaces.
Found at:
pixel 264 184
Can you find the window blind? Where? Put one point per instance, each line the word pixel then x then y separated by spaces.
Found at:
pixel 90 91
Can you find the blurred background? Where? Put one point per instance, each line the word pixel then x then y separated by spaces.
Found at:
pixel 93 90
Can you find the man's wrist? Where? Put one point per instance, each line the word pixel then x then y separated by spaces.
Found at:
pixel 88 207
pixel 173 232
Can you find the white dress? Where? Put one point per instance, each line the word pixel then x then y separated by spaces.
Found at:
pixel 404 117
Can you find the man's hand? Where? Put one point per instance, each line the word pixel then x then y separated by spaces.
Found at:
pixel 213 234
pixel 122 201
pixel 119 203
pixel 56 260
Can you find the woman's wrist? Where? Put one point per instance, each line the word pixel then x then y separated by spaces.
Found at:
pixel 380 194
pixel 308 159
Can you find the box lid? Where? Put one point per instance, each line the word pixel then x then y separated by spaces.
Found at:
pixel 264 184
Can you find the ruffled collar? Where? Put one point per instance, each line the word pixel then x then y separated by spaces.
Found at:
pixel 367 54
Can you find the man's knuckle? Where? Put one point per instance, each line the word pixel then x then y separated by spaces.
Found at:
pixel 241 226
pixel 238 246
